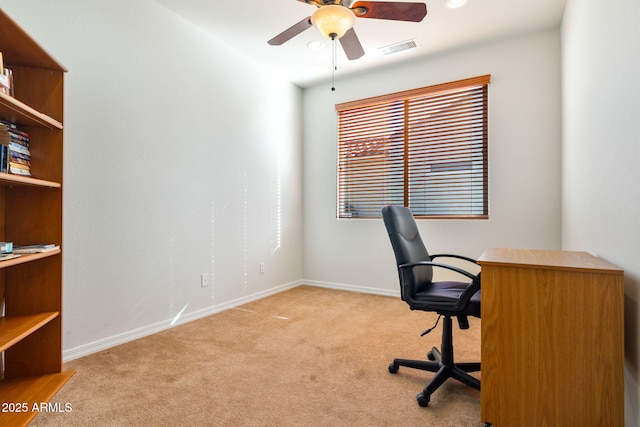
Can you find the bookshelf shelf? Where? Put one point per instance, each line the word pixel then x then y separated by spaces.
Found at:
pixel 21 114
pixel 31 391
pixel 13 329
pixel 17 180
pixel 31 213
pixel 28 258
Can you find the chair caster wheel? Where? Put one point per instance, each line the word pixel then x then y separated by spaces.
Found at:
pixel 423 400
pixel 393 368
pixel 430 356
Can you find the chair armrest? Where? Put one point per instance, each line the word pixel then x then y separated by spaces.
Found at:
pixel 471 260
pixel 437 264
pixel 471 290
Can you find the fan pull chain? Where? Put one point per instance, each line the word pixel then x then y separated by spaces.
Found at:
pixel 334 65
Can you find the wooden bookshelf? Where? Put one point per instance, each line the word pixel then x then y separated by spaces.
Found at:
pixel 31 213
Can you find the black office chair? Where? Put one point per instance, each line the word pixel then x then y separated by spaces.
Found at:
pixel 447 298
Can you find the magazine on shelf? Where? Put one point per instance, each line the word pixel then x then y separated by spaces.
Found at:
pixel 6 247
pixel 34 249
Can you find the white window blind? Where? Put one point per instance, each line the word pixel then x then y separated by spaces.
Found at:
pixel 424 148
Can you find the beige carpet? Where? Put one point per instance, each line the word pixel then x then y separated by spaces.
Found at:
pixel 305 357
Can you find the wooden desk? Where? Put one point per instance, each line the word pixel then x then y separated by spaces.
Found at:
pixel 552 339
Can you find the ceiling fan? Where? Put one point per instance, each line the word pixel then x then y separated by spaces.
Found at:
pixel 335 19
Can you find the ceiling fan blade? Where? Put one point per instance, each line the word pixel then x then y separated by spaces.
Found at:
pixel 351 45
pixel 396 11
pixel 291 32
pixel 317 3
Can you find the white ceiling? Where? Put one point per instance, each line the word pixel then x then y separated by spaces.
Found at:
pixel 246 25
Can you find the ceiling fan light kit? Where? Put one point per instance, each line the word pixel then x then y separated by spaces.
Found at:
pixel 333 21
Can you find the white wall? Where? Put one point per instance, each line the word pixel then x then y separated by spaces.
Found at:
pixel 182 157
pixel 524 163
pixel 601 151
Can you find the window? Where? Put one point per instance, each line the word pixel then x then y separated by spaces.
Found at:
pixel 425 149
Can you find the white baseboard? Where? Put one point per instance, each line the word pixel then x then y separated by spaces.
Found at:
pixel 103 344
pixel 353 288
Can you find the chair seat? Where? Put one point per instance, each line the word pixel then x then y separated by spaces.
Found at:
pixel 444 296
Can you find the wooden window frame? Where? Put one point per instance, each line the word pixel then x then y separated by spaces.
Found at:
pixel 424 148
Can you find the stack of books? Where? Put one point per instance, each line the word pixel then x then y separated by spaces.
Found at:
pixel 15 156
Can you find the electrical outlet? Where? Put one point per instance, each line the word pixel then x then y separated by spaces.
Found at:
pixel 204 280
pixel 262 268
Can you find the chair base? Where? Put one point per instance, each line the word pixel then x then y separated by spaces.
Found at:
pixel 442 364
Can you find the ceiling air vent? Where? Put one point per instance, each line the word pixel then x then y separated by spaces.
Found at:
pixel 399 47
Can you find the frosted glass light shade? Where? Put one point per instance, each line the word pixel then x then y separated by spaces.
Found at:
pixel 333 20
pixel 455 3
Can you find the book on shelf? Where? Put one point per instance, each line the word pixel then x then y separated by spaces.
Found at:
pixel 4 155
pixel 4 257
pixel 15 136
pixel 19 134
pixel 19 149
pixel 19 169
pixel 6 79
pixel 12 130
pixel 34 249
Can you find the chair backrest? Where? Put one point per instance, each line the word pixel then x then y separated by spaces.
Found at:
pixel 407 246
